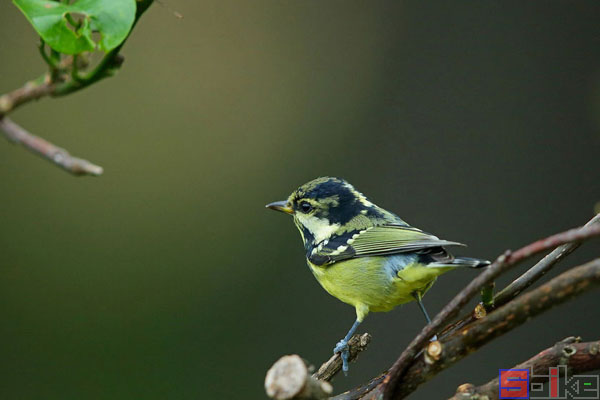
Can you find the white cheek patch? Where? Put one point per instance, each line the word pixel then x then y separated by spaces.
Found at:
pixel 320 228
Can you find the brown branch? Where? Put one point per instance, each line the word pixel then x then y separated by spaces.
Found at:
pixel 539 269
pixel 32 90
pixel 331 367
pixel 361 391
pixel 460 344
pixel 386 382
pixel 502 264
pixel 524 281
pixel 578 357
pixel 289 377
pixel 560 289
pixel 416 366
pixel 47 150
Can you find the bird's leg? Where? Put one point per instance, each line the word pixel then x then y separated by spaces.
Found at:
pixel 342 347
pixel 419 298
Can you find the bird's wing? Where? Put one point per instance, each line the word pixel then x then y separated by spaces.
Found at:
pixel 375 241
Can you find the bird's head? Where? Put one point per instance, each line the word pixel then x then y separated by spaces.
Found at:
pixel 327 205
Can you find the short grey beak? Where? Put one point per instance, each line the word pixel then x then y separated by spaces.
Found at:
pixel 280 206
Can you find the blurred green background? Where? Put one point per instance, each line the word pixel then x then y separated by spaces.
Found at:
pixel 166 277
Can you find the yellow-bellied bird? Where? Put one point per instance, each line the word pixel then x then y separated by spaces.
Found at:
pixel 364 255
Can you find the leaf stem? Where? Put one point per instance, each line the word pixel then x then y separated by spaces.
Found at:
pixel 52 60
pixel 72 21
pixel 487 295
pixel 109 63
pixel 75 68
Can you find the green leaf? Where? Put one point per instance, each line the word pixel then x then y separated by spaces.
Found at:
pixel 113 19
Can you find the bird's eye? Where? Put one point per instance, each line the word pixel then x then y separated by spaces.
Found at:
pixel 305 207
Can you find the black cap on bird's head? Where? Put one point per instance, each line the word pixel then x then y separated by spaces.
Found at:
pixel 329 198
pixel 324 205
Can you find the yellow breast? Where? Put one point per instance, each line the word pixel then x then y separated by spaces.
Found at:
pixel 375 283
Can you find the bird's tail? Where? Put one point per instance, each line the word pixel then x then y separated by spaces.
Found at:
pixel 462 262
pixel 470 262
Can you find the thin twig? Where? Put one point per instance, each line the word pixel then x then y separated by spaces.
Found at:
pixel 560 289
pixel 331 367
pixel 524 281
pixel 557 291
pixel 47 150
pixel 289 377
pixel 32 90
pixel 577 357
pixel 539 269
pixel 502 264
pixel 51 63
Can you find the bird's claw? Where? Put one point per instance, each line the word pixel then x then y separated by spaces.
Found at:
pixel 342 348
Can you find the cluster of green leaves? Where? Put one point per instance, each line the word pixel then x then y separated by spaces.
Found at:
pixel 67 27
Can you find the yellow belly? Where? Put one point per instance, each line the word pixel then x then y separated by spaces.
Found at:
pixel 368 284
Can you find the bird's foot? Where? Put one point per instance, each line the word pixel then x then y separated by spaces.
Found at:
pixel 342 348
